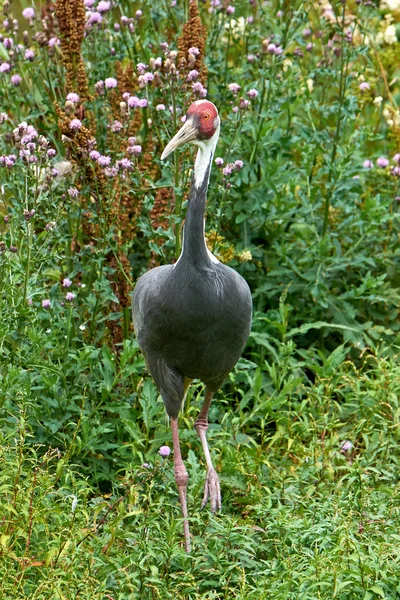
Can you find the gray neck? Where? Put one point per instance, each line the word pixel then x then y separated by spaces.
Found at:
pixel 194 248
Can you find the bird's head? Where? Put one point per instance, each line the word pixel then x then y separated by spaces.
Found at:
pixel 200 128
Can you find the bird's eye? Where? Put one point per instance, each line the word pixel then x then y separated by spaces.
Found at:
pixel 206 117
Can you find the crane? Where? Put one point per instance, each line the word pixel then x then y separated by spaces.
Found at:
pixel 192 319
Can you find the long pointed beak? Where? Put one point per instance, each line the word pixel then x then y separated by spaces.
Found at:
pixel 187 133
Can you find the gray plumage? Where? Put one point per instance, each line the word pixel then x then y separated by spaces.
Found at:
pixel 192 319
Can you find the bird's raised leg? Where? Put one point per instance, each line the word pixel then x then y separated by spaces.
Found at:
pixel 212 489
pixel 181 478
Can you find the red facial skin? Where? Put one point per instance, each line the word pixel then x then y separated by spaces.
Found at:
pixel 205 115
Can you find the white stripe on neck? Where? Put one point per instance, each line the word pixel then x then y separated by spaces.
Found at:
pixel 203 158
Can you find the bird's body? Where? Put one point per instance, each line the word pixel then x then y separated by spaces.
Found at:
pixel 192 319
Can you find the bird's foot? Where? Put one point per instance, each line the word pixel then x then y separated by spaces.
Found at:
pixel 212 491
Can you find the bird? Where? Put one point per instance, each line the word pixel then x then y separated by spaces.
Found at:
pixel 192 318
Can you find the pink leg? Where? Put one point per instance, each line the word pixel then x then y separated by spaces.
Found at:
pixel 212 489
pixel 181 478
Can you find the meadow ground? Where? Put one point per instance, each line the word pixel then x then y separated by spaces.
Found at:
pixel 303 202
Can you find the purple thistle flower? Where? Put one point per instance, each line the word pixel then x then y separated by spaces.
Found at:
pixel 238 164
pixel 234 88
pixel 194 50
pixel 193 74
pixel 271 48
pixel 73 192
pixel 110 83
pixel 94 155
pixel 346 446
pixel 141 68
pixel 116 127
pixel 368 164
pixel 133 102
pixel 73 97
pixel 253 93
pixel 5 67
pixel 135 150
pixel 164 451
pixel 104 6
pixel 230 10
pixel 396 158
pixel 364 86
pixel 16 79
pixel 307 32
pixel 94 17
pixel 138 14
pixel 75 124
pixel 99 87
pixel 382 162
pixel 160 107
pixel 143 103
pixel 69 296
pixel 104 161
pixel 228 169
pixel 110 171
pixel 125 163
pixel 8 43
pixel 28 13
pixel 54 41
pixel 46 303
pixel 66 282
pixel 29 54
pixel 88 3
pixel 219 162
pixel 198 88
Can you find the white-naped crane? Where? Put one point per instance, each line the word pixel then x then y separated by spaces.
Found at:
pixel 192 318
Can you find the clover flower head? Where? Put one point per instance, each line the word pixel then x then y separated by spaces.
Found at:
pixel 69 296
pixel 219 162
pixel 46 303
pixel 66 282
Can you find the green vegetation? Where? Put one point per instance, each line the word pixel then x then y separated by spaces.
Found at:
pixel 305 432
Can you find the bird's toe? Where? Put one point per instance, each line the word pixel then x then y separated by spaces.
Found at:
pixel 212 491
